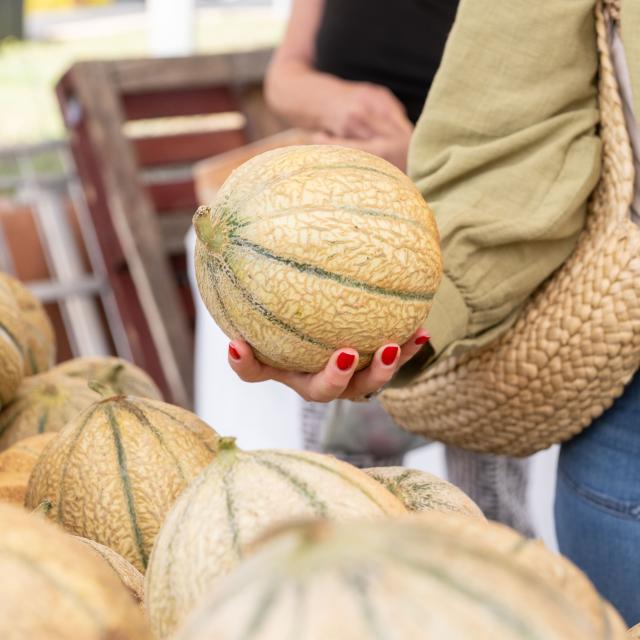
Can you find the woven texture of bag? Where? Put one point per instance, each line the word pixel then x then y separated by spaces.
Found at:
pixel 577 342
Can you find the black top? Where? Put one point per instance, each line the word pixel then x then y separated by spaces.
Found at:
pixel 394 43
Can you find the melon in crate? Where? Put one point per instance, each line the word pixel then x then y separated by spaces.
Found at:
pixel 23 455
pixel 38 336
pixel 307 249
pixel 118 374
pixel 43 403
pixel 422 491
pixel 11 354
pixel 54 587
pixel 114 471
pixel 416 579
pixel 233 502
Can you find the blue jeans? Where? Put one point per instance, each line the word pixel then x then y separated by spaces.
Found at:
pixel 597 507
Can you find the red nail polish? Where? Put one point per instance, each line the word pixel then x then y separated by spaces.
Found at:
pixel 422 339
pixel 345 361
pixel 388 355
pixel 233 352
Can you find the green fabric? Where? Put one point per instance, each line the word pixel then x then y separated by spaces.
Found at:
pixel 506 154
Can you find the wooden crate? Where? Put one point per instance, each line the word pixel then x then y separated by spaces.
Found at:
pixel 138 181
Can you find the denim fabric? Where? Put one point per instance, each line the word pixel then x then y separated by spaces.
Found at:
pixel 597 507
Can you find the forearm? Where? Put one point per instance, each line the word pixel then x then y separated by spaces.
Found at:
pixel 300 94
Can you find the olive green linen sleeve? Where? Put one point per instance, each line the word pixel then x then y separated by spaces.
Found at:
pixel 506 154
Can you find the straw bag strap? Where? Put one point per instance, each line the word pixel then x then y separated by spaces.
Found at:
pixel 617 154
pixel 612 7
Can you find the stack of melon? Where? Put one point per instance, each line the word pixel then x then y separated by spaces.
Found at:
pixel 136 501
pixel 89 445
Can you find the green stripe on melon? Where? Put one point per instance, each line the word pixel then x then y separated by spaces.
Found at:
pixel 437 576
pixel 237 498
pixel 422 491
pixel 308 249
pixel 113 472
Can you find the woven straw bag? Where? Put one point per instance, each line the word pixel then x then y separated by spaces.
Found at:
pixel 576 343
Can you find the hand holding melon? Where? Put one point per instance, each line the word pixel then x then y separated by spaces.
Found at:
pixel 316 251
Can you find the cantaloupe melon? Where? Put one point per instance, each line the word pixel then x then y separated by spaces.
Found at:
pixel 533 555
pixel 130 577
pixel 417 579
pixel 24 454
pixel 44 403
pixel 13 486
pixel 234 501
pixel 122 376
pixel 38 340
pixel 53 587
pixel 311 248
pixel 11 355
pixel 422 491
pixel 114 471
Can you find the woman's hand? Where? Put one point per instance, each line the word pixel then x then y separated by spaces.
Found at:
pixel 362 110
pixel 339 378
pixel 389 143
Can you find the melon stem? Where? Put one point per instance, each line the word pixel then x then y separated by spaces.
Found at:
pixel 113 374
pixel 227 443
pixel 208 233
pixel 103 388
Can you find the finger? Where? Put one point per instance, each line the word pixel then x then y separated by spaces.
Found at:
pixel 409 349
pixel 329 383
pixel 358 129
pixel 384 125
pixel 245 364
pixel 383 365
pixel 324 386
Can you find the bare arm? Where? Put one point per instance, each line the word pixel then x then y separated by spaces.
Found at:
pixel 314 100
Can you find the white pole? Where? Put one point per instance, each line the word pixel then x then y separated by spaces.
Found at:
pixel 171 27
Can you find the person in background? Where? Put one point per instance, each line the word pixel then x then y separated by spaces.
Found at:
pixel 357 73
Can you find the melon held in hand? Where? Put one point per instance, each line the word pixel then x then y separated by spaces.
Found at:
pixel 311 248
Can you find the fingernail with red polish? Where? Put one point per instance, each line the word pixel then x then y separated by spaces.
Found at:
pixel 388 355
pixel 233 352
pixel 345 361
pixel 422 339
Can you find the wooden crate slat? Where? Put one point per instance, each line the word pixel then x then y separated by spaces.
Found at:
pixel 136 226
pixel 172 196
pixel 165 74
pixel 187 147
pixel 178 102
pixel 141 216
